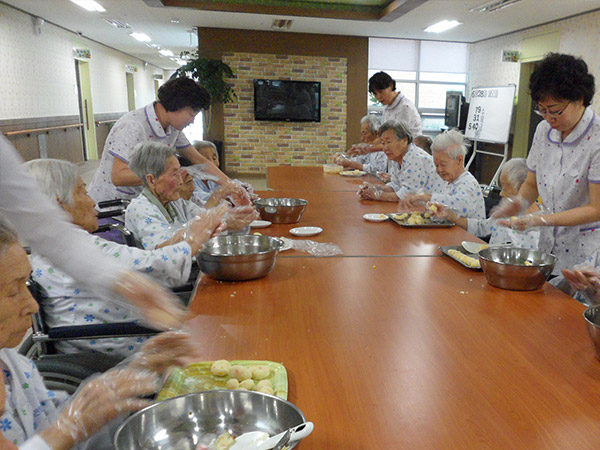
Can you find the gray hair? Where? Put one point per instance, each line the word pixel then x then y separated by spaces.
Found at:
pixel 400 130
pixel 373 122
pixel 452 142
pixel 150 158
pixel 201 144
pixel 8 236
pixel 516 171
pixel 55 178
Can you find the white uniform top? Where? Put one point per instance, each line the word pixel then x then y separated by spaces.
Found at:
pixel 132 128
pixel 68 303
pixel 499 234
pixel 417 173
pixel 462 195
pixel 403 110
pixel 563 170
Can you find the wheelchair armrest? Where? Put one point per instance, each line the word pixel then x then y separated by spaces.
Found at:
pixel 113 203
pixel 119 329
pixel 112 213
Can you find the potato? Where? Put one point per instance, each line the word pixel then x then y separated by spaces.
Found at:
pixel 220 368
pixel 240 372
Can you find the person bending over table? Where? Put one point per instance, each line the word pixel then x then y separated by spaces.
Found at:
pixel 457 189
pixel 410 168
pixel 512 175
pixel 370 162
pixel 68 302
pixel 34 418
pixel 563 163
pixel 158 216
pixel 179 101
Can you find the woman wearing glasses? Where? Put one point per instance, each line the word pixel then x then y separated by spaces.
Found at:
pixel 563 163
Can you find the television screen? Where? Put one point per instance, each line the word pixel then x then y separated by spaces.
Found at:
pixel 293 101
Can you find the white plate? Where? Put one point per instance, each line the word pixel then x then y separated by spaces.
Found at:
pixel 306 231
pixel 375 217
pixel 352 173
pixel 260 224
pixel 287 244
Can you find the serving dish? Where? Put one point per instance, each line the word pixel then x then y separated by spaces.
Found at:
pixel 446 250
pixel 306 231
pixel 281 210
pixel 352 173
pixel 428 222
pixel 375 217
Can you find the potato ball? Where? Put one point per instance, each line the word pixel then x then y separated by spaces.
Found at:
pixel 260 372
pixel 220 368
pixel 240 372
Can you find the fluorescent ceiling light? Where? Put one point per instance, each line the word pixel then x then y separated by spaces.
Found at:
pixel 493 5
pixel 442 26
pixel 90 5
pixel 166 52
pixel 141 37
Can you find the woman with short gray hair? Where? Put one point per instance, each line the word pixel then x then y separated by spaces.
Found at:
pixel 359 158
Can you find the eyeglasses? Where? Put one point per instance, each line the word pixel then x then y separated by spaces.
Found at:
pixel 545 112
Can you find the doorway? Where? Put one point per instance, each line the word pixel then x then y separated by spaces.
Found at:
pixel 86 110
pixel 130 91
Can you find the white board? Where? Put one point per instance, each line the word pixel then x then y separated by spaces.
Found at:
pixel 490 113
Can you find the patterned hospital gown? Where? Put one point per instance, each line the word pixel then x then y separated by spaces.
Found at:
pixel 69 303
pixel 564 170
pixel 403 110
pixel 132 128
pixel 417 173
pixel 462 195
pixel 500 235
pixel 373 162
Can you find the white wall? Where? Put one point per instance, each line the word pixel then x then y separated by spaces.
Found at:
pixel 37 72
pixel 579 36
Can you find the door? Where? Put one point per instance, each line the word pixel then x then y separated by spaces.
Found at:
pixel 130 91
pixel 86 110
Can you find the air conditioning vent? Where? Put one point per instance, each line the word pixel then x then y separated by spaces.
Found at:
pixel 281 24
pixel 495 5
pixel 118 23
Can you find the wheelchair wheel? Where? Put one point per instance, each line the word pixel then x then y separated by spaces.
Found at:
pixel 29 349
pixel 62 376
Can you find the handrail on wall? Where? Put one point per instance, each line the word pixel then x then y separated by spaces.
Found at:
pixel 46 129
pixel 102 122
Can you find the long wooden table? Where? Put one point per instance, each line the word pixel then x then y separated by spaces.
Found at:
pixel 306 178
pixel 410 351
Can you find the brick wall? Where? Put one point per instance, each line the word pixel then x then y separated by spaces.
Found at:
pixel 251 146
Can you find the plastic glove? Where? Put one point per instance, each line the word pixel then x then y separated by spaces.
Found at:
pixel 354 150
pixel 583 278
pixel 97 402
pixel 163 351
pixel 240 217
pixel 384 176
pixel 200 229
pixel 239 196
pixel 159 308
pixel 417 200
pixel 368 191
pixel 510 206
pixel 526 222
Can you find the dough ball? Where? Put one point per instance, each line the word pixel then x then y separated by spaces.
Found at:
pixel 220 368
pixel 232 384
pixel 260 372
pixel 263 383
pixel 241 389
pixel 247 384
pixel 266 390
pixel 240 372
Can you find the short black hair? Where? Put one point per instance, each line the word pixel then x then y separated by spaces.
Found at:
pixel 181 92
pixel 563 77
pixel 381 81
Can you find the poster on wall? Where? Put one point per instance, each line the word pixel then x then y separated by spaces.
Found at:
pixel 490 113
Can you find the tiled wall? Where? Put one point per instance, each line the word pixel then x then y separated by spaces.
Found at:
pixel 251 146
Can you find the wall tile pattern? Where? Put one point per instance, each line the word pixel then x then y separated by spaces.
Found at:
pixel 251 146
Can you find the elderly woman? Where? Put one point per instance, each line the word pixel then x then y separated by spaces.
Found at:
pixel 67 301
pixel 512 176
pixel 158 215
pixel 410 168
pixel 459 190
pixel 370 162
pixel 563 163
pixel 33 418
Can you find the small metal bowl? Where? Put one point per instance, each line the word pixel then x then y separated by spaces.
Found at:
pixel 180 423
pixel 281 210
pixel 238 257
pixel 516 269
pixel 592 322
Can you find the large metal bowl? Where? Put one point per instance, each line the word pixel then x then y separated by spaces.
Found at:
pixel 592 321
pixel 180 422
pixel 238 257
pixel 281 210
pixel 516 269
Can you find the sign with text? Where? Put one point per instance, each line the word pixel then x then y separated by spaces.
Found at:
pixel 82 53
pixel 130 68
pixel 490 113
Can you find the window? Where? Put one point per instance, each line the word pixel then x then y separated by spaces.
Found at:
pixel 195 131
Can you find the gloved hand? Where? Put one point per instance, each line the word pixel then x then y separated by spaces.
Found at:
pixel 368 191
pixel 384 176
pixel 583 278
pixel 201 228
pixel 526 222
pixel 97 402
pixel 163 351
pixel 441 211
pixel 509 206
pixel 240 217
pixel 416 201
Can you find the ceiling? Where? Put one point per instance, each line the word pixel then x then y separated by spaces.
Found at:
pixel 172 27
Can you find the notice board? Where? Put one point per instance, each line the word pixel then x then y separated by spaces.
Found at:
pixel 490 113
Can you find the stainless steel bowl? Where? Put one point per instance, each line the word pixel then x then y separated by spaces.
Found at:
pixel 180 423
pixel 516 269
pixel 238 257
pixel 592 321
pixel 281 210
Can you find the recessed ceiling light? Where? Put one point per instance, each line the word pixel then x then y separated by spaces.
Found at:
pixel 141 37
pixel 166 52
pixel 174 20
pixel 494 5
pixel 90 5
pixel 442 26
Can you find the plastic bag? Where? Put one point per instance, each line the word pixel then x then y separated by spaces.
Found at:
pixel 312 248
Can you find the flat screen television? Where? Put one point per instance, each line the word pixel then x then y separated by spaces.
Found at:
pixel 292 101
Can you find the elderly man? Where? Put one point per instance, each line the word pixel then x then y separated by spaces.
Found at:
pixel 68 302
pixel 410 168
pixel 158 215
pixel 369 162
pixel 457 189
pixel 31 416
